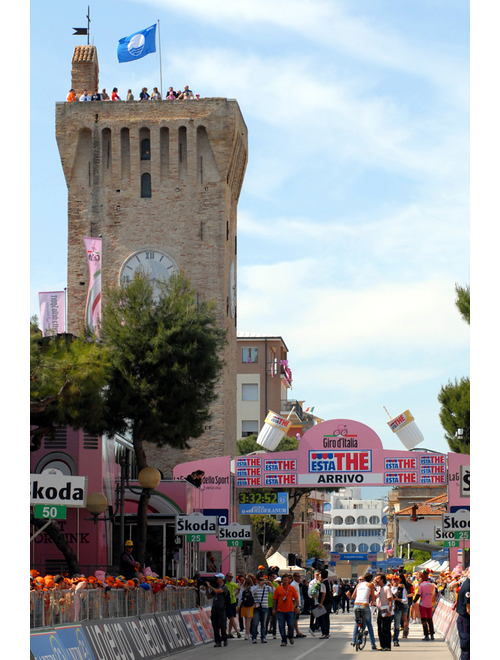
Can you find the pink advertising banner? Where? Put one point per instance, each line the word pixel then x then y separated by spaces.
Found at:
pixel 52 312
pixel 340 452
pixel 93 248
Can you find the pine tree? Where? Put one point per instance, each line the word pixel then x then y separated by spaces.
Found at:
pixel 165 364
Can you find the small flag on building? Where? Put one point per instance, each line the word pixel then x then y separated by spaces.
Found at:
pixel 137 45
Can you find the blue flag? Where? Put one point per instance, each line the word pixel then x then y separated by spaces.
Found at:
pixel 137 45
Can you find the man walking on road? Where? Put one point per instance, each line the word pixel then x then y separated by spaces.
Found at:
pixel 425 597
pixel 317 591
pixel 285 604
pixel 220 595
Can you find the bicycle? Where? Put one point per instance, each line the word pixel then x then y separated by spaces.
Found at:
pixel 361 634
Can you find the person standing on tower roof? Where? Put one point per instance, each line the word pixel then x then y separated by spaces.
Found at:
pixel 114 95
pixel 71 96
pixel 85 96
pixel 144 96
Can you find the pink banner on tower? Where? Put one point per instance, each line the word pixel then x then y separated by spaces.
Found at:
pixel 93 247
pixel 52 312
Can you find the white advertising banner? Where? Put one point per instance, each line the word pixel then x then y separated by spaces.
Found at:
pixel 49 488
pixel 52 312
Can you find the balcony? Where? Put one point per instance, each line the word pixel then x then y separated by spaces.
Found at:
pixel 287 406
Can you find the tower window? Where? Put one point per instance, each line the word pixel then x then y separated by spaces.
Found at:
pixel 146 185
pixel 146 149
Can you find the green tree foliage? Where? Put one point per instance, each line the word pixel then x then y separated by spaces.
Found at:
pixel 249 444
pixel 455 414
pixel 454 398
pixel 267 529
pixel 67 375
pixel 463 301
pixel 165 363
pixel 315 547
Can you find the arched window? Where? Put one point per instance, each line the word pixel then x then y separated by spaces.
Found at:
pixel 351 547
pixel 349 520
pixel 338 520
pixel 375 547
pixel 339 547
pixel 363 547
pixel 146 185
pixel 146 149
pixel 362 520
pixel 374 520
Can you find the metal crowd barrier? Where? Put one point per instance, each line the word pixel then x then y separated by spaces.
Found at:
pixel 91 604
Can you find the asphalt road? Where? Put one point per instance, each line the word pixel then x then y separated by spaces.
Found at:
pixel 337 646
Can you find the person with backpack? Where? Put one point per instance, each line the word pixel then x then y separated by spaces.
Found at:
pixel 220 595
pixel 260 593
pixel 247 603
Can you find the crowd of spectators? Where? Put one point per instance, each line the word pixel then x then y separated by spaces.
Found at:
pixel 144 95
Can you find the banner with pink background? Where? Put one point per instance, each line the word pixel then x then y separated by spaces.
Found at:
pixel 52 312
pixel 93 248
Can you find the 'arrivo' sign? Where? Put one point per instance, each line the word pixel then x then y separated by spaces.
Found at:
pixel 340 452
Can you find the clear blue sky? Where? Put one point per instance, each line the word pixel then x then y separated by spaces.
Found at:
pixel 355 204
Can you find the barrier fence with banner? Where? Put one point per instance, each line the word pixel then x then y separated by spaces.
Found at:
pixel 445 622
pixel 93 604
pixel 146 636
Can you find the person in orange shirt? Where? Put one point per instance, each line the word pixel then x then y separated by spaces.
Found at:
pixel 71 96
pixel 286 603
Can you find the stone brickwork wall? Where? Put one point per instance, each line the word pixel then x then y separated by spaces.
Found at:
pixel 197 164
pixel 85 70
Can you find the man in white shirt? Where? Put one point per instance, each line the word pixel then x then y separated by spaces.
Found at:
pixel 85 96
pixel 384 602
pixel 317 591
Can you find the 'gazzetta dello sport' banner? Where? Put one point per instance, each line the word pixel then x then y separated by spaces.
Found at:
pixel 52 312
pixel 93 247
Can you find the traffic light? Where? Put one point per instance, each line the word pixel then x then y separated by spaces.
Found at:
pixel 247 548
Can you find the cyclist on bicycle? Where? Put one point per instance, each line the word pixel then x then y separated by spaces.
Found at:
pixel 362 596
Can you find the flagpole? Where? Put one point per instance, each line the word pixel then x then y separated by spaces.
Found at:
pixel 159 48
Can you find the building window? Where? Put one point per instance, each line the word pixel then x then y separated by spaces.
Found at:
pixel 339 547
pixel 362 520
pixel 338 520
pixel 349 520
pixel 146 149
pixel 363 547
pixel 249 427
pixel 250 355
pixel 375 547
pixel 146 185
pixel 374 520
pixel 351 547
pixel 249 392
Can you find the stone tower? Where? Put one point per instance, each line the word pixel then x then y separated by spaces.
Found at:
pixel 158 180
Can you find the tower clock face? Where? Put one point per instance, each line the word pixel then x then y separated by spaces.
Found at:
pixel 232 289
pixel 157 265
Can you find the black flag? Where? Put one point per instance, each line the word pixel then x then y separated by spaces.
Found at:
pixel 79 31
